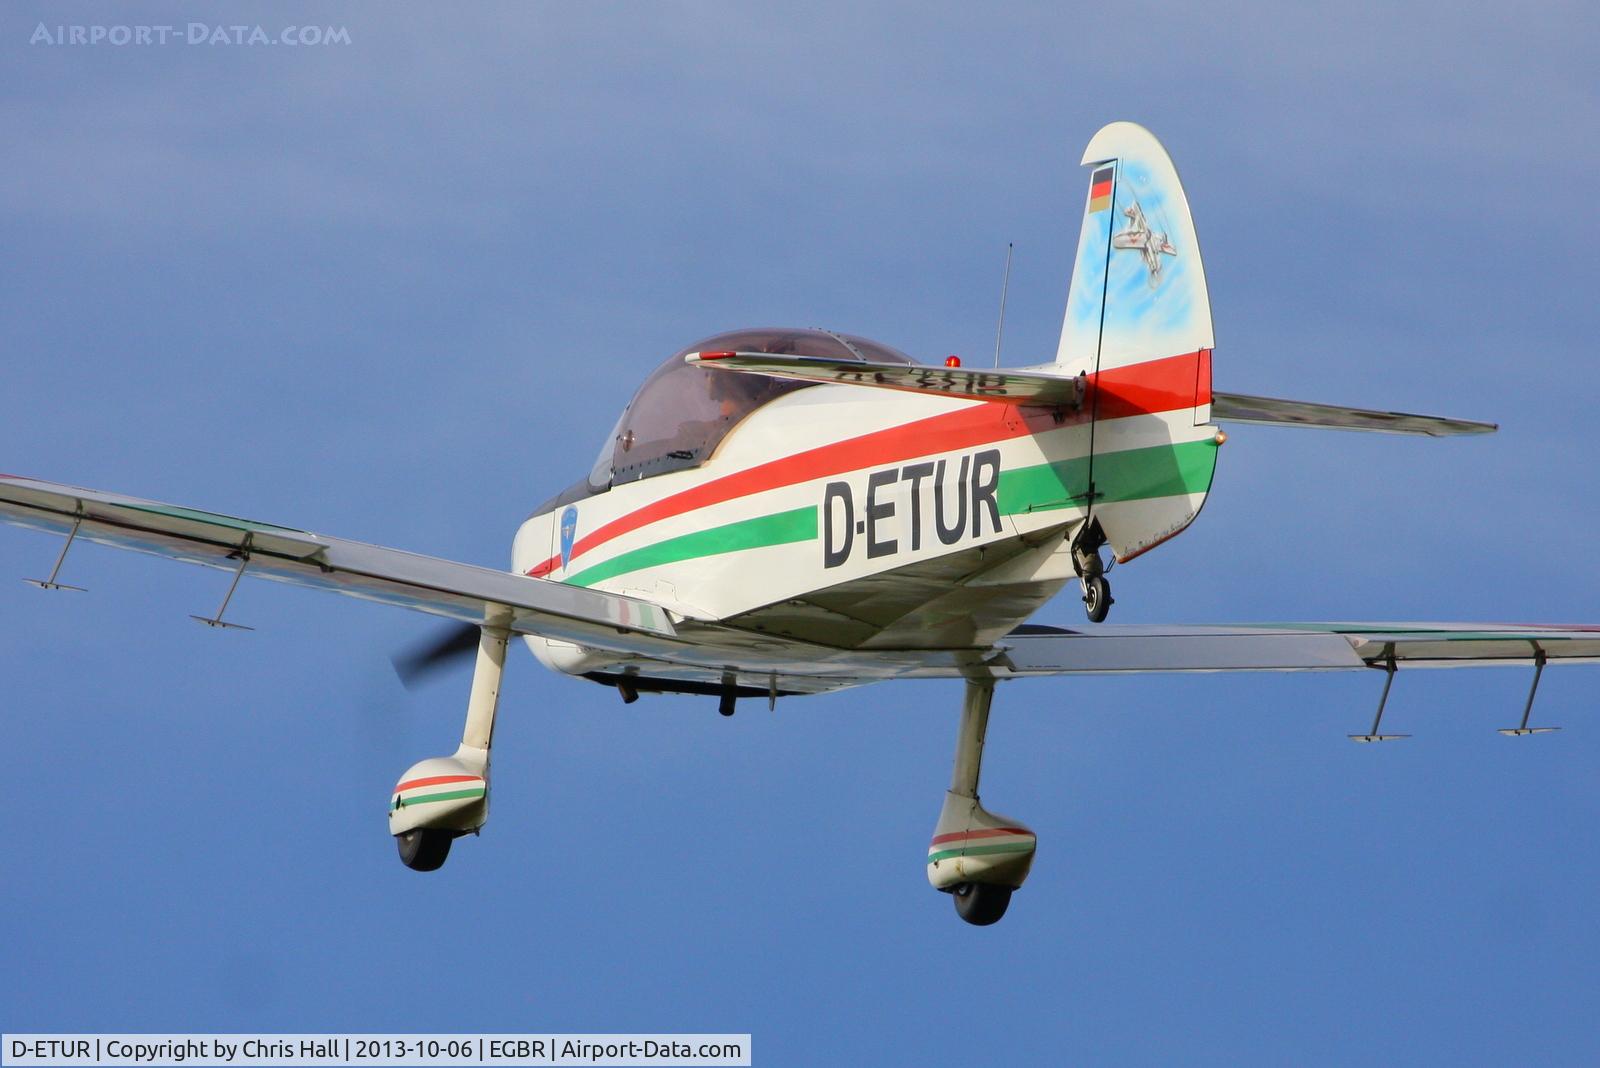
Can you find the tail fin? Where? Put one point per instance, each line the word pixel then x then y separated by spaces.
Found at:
pixel 1138 323
pixel 1138 288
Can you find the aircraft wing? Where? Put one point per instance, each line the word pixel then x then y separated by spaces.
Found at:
pixel 1239 408
pixel 1139 649
pixel 372 572
pixel 647 632
pixel 1004 387
pixel 1034 651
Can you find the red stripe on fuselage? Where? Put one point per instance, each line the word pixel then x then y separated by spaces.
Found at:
pixel 1139 389
pixel 1147 388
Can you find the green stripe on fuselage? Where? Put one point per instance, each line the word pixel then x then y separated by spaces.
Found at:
pixel 778 529
pixel 1132 475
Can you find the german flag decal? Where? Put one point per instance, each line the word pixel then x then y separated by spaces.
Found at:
pixel 1100 190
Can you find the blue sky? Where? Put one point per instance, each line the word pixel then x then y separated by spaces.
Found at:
pixel 397 290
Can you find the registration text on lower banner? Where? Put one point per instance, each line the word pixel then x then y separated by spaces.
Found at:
pixel 373 1051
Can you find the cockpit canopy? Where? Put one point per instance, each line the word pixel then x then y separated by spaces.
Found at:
pixel 682 412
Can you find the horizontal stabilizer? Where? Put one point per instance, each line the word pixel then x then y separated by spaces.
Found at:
pixel 1269 411
pixel 1004 387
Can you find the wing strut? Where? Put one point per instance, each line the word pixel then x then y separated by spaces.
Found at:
pixel 1524 730
pixel 243 552
pixel 1373 735
pixel 51 583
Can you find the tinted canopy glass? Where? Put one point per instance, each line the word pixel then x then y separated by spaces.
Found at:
pixel 682 412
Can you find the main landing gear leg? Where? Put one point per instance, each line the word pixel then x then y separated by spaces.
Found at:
pixel 441 799
pixel 975 856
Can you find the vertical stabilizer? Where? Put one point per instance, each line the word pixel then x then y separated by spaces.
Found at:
pixel 1138 288
pixel 1138 324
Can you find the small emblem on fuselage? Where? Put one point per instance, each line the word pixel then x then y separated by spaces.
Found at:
pixel 569 531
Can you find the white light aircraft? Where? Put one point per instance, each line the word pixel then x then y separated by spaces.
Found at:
pixel 786 512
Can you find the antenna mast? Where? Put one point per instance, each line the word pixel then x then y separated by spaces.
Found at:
pixel 999 331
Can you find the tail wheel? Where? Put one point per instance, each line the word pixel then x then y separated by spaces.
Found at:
pixel 981 905
pixel 424 849
pixel 1097 600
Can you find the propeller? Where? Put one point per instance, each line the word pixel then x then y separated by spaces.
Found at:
pixel 450 643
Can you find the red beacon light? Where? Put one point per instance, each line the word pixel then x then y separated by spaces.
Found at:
pixel 952 361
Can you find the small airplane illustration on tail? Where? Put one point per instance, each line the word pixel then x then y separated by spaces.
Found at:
pixel 783 512
pixel 1152 246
